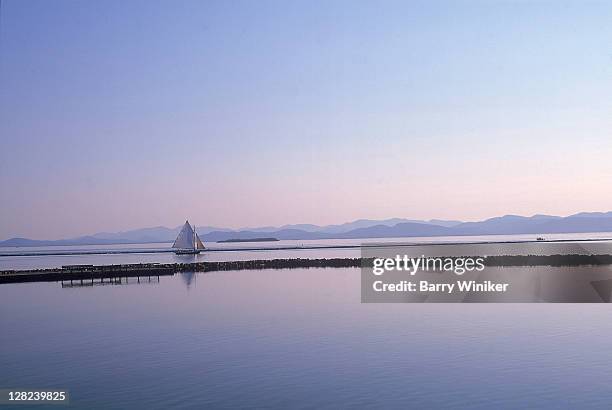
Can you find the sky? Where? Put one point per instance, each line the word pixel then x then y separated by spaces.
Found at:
pixel 117 115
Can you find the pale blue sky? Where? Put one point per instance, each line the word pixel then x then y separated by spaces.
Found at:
pixel 124 114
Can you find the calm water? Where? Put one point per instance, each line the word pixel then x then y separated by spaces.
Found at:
pixel 232 251
pixel 297 338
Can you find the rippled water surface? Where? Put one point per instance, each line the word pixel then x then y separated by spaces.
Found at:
pixel 297 338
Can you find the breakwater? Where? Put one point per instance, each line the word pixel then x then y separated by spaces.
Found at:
pixel 548 260
pixel 85 272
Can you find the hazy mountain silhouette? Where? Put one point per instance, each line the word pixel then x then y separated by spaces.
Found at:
pixel 349 226
pixel 145 235
pixel 363 228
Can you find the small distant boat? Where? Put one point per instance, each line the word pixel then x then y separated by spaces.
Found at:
pixel 188 242
pixel 539 238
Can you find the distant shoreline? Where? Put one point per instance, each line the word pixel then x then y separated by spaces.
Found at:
pixel 63 242
pixel 291 247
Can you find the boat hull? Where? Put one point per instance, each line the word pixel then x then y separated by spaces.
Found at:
pixel 187 251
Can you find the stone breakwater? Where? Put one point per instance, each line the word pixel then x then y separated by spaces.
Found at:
pixel 81 272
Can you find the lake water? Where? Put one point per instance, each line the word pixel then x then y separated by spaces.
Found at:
pixel 148 253
pixel 296 338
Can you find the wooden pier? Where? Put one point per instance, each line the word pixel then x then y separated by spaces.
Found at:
pixel 116 280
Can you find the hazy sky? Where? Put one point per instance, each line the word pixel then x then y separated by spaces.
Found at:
pixel 125 114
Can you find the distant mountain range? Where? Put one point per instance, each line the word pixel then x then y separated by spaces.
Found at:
pixel 362 228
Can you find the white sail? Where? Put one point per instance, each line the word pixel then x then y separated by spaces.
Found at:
pixel 185 238
pixel 199 244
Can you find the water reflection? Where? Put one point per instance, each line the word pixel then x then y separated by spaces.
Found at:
pixel 113 281
pixel 281 338
pixel 188 278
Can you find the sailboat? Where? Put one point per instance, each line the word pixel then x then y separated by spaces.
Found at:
pixel 187 242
